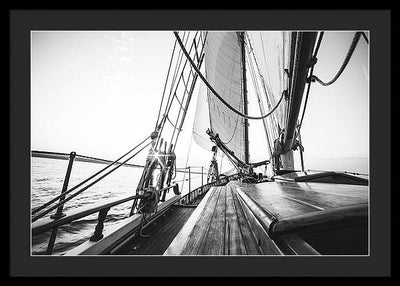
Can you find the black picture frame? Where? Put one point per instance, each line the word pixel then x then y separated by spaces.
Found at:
pixel 378 22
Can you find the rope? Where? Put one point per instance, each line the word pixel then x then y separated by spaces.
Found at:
pixel 170 100
pixel 233 134
pixel 365 37
pixel 353 45
pixel 213 90
pixel 193 83
pixel 314 60
pixel 345 172
pixel 165 85
pixel 264 88
pixel 260 104
pixel 172 123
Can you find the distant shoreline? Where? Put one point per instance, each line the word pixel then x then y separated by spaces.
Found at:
pixel 81 158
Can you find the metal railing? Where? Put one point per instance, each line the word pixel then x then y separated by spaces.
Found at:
pixel 59 218
pixel 102 209
pixel 191 196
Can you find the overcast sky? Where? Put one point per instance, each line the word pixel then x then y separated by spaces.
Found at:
pixel 98 93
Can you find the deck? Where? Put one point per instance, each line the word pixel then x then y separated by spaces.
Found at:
pixel 157 236
pixel 241 219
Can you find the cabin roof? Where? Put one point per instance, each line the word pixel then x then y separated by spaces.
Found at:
pixel 228 214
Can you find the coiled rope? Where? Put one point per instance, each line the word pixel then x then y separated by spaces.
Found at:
pixel 216 94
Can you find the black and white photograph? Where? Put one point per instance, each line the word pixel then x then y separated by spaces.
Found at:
pixel 200 143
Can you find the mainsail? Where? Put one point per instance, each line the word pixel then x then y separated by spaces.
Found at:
pixel 224 72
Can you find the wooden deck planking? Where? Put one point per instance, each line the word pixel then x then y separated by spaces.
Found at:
pixel 227 223
pixel 223 228
pixel 214 240
pixel 234 242
pixel 250 243
pixel 161 233
pixel 201 227
pixel 266 244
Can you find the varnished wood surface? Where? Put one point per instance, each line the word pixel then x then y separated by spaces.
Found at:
pixel 226 226
pixel 230 220
pixel 288 199
pixel 159 234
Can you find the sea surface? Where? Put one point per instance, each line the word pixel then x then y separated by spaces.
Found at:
pixel 47 177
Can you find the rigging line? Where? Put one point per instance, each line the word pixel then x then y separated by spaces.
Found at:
pixel 86 187
pixel 353 46
pixel 311 74
pixel 232 162
pixel 184 109
pixel 190 94
pixel 170 99
pixel 86 180
pixel 265 58
pixel 233 134
pixel 365 37
pixel 237 117
pixel 178 67
pixel 177 99
pixel 274 120
pixel 187 179
pixel 187 159
pixel 345 172
pixel 179 61
pixel 172 123
pixel 215 93
pixel 261 106
pixel 165 85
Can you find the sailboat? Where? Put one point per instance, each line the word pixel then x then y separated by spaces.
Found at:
pixel 256 208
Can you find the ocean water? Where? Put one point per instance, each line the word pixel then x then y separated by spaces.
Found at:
pixel 47 177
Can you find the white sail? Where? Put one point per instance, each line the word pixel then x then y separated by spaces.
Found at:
pixel 223 70
pixel 272 50
pixel 202 119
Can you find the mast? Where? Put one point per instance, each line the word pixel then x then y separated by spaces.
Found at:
pixel 245 103
pixel 302 57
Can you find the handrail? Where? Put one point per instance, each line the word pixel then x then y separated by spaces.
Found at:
pixel 91 177
pixel 45 224
pixel 49 223
pixel 84 188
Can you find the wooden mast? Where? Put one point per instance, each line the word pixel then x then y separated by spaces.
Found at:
pixel 303 55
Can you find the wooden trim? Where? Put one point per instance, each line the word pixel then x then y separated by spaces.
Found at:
pixel 297 245
pixel 260 232
pixel 178 244
pixel 265 218
pixel 320 217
